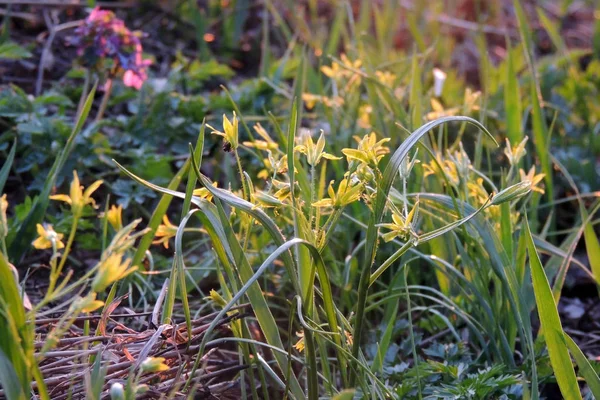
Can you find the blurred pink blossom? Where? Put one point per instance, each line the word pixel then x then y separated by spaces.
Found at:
pixel 105 45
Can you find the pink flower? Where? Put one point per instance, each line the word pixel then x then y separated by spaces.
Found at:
pixel 132 79
pixel 105 45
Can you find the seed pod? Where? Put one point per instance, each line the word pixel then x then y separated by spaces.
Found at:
pixel 512 192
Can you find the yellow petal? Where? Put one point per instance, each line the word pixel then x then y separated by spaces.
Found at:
pixel 92 188
pixel 41 243
pixel 61 197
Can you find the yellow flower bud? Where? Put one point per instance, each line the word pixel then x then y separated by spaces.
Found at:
pixel 154 364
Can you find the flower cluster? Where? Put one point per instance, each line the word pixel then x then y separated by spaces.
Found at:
pixel 104 44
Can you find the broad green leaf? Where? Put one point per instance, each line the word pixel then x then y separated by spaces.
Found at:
pixel 12 51
pixel 551 325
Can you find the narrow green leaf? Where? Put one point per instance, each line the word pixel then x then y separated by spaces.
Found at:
pixel 344 395
pixel 157 216
pixel 7 165
pixel 585 368
pixel 592 245
pixel 512 100
pixel 551 325
pixel 416 108
pixel 16 344
pixel 9 381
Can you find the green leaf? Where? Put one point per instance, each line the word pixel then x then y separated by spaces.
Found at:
pixel 12 51
pixel 585 368
pixel 551 325
pixel 344 395
pixel 512 101
pixel 592 245
pixel 7 165
pixel 157 216
pixel 9 379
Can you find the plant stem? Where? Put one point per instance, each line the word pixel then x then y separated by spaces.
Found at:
pixel 63 259
pixel 241 172
pixel 107 91
pixel 313 196
pixel 84 92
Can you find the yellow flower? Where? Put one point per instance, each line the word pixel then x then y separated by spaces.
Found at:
pixel 369 151
pixel 300 343
pixel 266 144
pixel 337 72
pixel 533 179
pixel 401 227
pixel 345 195
pixel 204 193
pixel 515 154
pixel 3 218
pixel 165 231
pixel 111 270
pixel 231 131
pixel 283 190
pixel 364 116
pixel 273 165
pixel 310 100
pixel 477 191
pixel 386 78
pixel 78 198
pixel 114 217
pixel 154 364
pixel 86 304
pixel 314 152
pixel 216 298
pixel 48 238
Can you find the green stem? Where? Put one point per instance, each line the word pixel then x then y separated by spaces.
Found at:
pixel 313 196
pixel 108 90
pixel 84 92
pixel 241 172
pixel 56 273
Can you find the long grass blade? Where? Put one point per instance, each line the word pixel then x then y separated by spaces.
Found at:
pixel 551 325
pixel 585 368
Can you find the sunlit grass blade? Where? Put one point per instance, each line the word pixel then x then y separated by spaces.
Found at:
pixel 585 368
pixel 551 325
pixel 592 245
pixel 27 232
